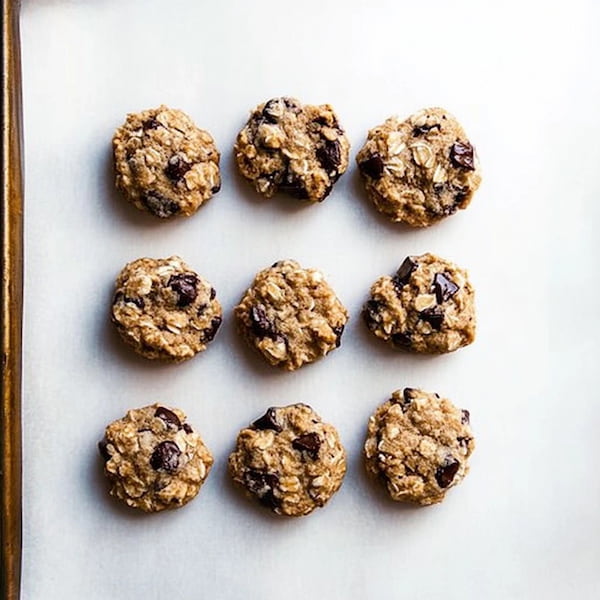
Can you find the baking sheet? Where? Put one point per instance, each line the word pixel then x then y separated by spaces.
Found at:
pixel 521 77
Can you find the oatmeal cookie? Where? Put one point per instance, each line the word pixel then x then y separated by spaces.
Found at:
pixel 164 310
pixel 418 445
pixel 428 306
pixel 420 170
pixel 153 459
pixel 289 460
pixel 164 164
pixel 291 315
pixel 289 147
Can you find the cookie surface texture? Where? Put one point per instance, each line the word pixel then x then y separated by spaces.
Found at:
pixel 164 310
pixel 418 445
pixel 153 459
pixel 420 170
pixel 291 315
pixel 164 164
pixel 288 147
pixel 289 460
pixel 428 306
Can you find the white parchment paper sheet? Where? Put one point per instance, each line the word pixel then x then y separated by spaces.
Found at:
pixel 522 77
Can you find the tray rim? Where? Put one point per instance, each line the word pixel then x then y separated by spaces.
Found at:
pixel 12 304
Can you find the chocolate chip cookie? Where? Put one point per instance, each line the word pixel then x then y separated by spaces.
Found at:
pixel 289 460
pixel 428 306
pixel 291 315
pixel 288 147
pixel 418 445
pixel 164 310
pixel 164 164
pixel 420 170
pixel 153 459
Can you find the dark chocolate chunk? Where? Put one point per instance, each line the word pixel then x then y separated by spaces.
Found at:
pixel 401 340
pixel 271 111
pixel 373 166
pixel 158 205
pixel 338 332
pixel 464 441
pixel 208 335
pixel 402 276
pixel 150 123
pixel 215 189
pixel 466 416
pixel 177 167
pixel 184 284
pixel 291 184
pixel 434 316
pixel 262 485
pixel 165 457
pixel 121 297
pixel 408 395
pixel 461 155
pixel 423 129
pixel 329 155
pixel 371 312
pixel 103 449
pixel 443 287
pixel 187 428
pixel 213 293
pixel 447 471
pixel 268 421
pixel 260 323
pixel 459 197
pixel 309 443
pixel 168 416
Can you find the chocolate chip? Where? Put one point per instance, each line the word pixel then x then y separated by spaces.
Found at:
pixel 434 316
pixel 309 443
pixel 291 184
pixel 401 340
pixel 408 395
pixel 465 417
pixel 329 155
pixel 187 428
pixel 371 313
pixel 461 155
pixel 165 457
pixel 208 335
pixel 121 297
pixel 463 441
pixel 168 416
pixel 176 168
pixel 268 421
pixel 271 111
pixel 423 129
pixel 150 123
pixel 444 287
pixel 338 333
pixel 213 293
pixel 447 471
pixel 459 196
pixel 373 166
pixel 184 284
pixel 215 189
pixel 262 485
pixel 402 276
pixel 103 449
pixel 259 322
pixel 159 206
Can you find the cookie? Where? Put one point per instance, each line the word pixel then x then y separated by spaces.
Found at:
pixel 289 460
pixel 418 445
pixel 153 459
pixel 164 164
pixel 291 315
pixel 421 170
pixel 164 310
pixel 428 306
pixel 288 147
